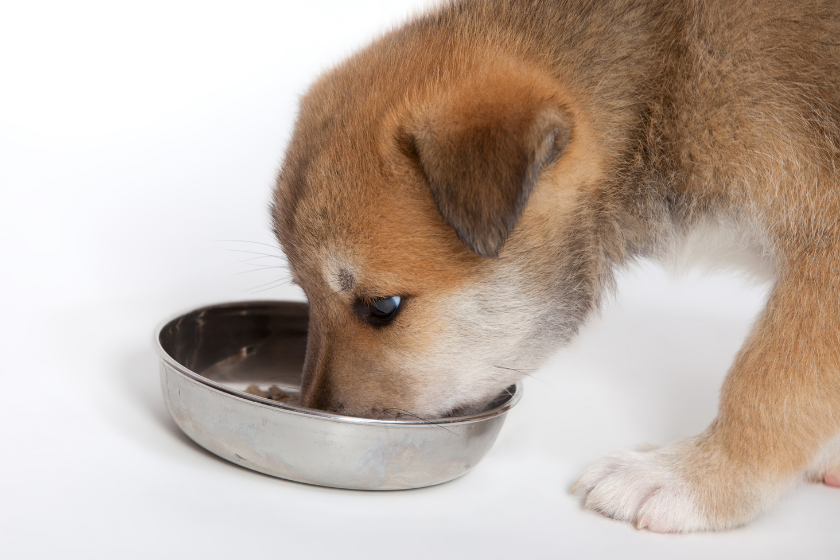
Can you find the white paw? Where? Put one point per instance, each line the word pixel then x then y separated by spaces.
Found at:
pixel 644 488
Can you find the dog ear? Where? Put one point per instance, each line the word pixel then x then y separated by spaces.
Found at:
pixel 481 152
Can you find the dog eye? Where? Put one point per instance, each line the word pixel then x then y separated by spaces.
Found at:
pixel 379 311
pixel 384 308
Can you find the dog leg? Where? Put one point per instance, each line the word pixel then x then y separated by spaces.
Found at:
pixel 780 408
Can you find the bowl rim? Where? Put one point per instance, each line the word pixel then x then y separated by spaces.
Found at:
pixel 311 412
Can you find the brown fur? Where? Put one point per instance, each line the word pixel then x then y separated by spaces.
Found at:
pixel 492 163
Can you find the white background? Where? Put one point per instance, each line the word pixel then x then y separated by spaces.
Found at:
pixel 138 147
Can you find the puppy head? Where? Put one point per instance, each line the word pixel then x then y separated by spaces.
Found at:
pixel 428 214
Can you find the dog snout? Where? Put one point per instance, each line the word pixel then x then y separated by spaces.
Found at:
pixel 318 394
pixel 318 390
pixel 317 387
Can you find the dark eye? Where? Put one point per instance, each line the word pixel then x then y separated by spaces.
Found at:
pixel 384 308
pixel 379 311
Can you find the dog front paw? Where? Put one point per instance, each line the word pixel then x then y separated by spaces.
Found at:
pixel 666 490
pixel 644 488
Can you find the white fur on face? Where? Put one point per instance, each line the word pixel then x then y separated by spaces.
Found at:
pixel 487 338
pixel 338 271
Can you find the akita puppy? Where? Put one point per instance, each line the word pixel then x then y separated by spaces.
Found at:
pixel 457 197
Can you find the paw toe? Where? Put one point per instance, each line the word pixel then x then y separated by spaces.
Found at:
pixel 642 488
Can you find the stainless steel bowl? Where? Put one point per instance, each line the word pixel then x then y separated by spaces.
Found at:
pixel 210 355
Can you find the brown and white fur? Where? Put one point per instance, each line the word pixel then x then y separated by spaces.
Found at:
pixel 493 163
